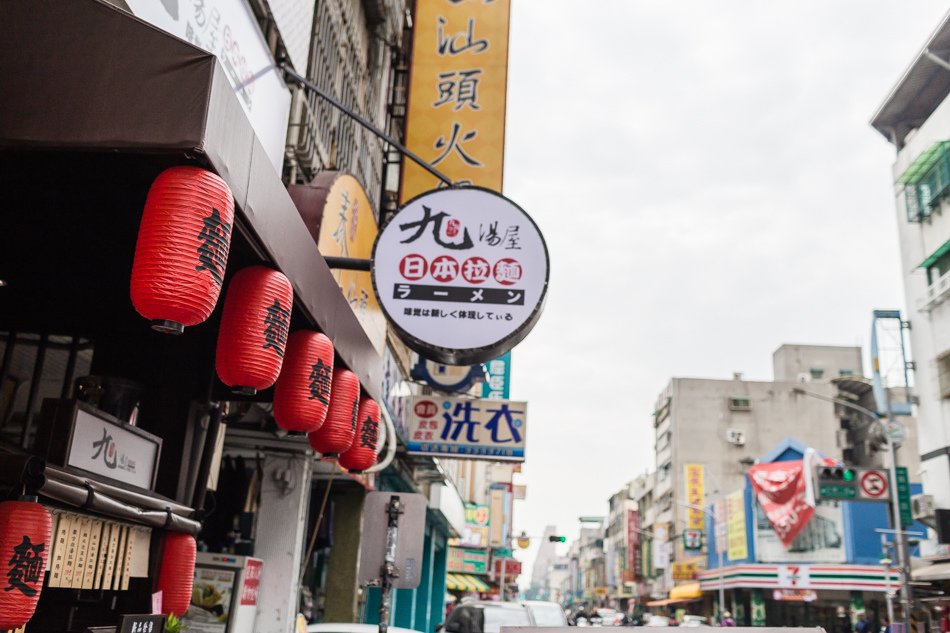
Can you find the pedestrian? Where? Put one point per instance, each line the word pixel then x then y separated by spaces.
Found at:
pixel 727 619
pixel 862 625
pixel 944 620
pixel 885 626
pixel 843 622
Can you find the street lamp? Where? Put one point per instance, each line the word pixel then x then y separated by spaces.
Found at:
pixel 899 534
pixel 722 581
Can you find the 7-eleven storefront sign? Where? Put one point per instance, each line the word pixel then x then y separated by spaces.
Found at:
pixel 794 576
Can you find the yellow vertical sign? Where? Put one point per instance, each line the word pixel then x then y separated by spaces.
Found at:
pixel 695 496
pixel 457 92
pixel 348 229
pixel 738 549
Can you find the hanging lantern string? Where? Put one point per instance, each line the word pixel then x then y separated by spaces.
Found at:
pixel 316 527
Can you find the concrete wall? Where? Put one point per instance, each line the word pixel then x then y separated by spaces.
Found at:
pixel 790 362
pixel 701 418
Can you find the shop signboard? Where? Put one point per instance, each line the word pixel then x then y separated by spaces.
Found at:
pixel 821 540
pixel 448 378
pixel 467 429
pixel 721 520
pixel 903 497
pixel 695 496
pixel 633 544
pixel 84 437
pixel 475 533
pixel 461 274
pixel 499 503
pixel 457 93
pixel 794 595
pixel 780 490
pixel 692 539
pixel 512 567
pixel 661 548
pixel 685 570
pixel 468 561
pixel 497 378
pixel 348 229
pixel 738 548
pixel 395 391
pixel 228 30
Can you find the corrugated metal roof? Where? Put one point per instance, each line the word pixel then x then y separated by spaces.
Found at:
pixel 922 87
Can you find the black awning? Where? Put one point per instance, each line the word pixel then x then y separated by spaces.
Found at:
pixel 84 75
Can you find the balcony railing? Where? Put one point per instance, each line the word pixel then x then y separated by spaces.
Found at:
pixel 937 293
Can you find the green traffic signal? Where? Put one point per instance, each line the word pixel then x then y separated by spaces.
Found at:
pixel 557 539
pixel 848 475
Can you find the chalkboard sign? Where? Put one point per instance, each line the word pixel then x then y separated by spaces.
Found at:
pixel 141 624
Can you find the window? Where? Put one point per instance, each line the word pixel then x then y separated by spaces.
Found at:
pixel 740 403
pixel 816 373
pixel 845 373
pixel 938 264
pixel 943 373
pixel 926 181
pixel 663 440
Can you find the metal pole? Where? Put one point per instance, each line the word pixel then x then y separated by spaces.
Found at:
pixel 722 583
pixel 888 595
pixel 389 571
pixel 900 541
pixel 303 81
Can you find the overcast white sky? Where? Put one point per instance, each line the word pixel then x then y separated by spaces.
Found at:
pixel 709 188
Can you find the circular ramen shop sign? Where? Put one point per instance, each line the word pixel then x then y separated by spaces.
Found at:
pixel 461 274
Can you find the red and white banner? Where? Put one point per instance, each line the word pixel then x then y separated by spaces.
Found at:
pixel 633 546
pixel 780 490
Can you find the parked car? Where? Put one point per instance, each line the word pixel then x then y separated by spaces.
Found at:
pixel 486 617
pixel 340 627
pixel 546 613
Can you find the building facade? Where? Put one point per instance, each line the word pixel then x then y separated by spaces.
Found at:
pixel 709 432
pixel 916 122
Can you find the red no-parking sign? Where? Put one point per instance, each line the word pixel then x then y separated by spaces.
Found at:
pixel 873 484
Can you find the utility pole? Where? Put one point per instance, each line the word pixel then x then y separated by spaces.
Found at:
pixel 900 542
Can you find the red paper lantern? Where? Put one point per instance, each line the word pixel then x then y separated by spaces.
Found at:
pixel 338 431
pixel 182 249
pixel 177 573
pixel 25 539
pixel 362 454
pixel 254 326
pixel 302 392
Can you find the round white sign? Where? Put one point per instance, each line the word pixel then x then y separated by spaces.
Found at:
pixel 461 274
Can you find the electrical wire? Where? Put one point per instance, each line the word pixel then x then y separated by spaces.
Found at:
pixel 316 527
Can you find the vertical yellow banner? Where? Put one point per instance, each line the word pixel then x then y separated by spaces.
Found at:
pixel 738 549
pixel 457 93
pixel 695 496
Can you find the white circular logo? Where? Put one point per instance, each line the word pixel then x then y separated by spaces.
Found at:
pixel 461 274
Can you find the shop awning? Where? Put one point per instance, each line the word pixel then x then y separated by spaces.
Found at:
pixel 937 571
pixel 143 92
pixel 465 582
pixel 689 591
pixel 937 254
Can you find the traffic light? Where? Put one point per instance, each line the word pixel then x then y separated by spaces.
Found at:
pixel 557 539
pixel 837 474
pixel 847 483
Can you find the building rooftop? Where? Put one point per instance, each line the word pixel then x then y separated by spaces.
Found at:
pixel 922 87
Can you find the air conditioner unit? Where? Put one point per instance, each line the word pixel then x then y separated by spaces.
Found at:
pixel 922 506
pixel 735 437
